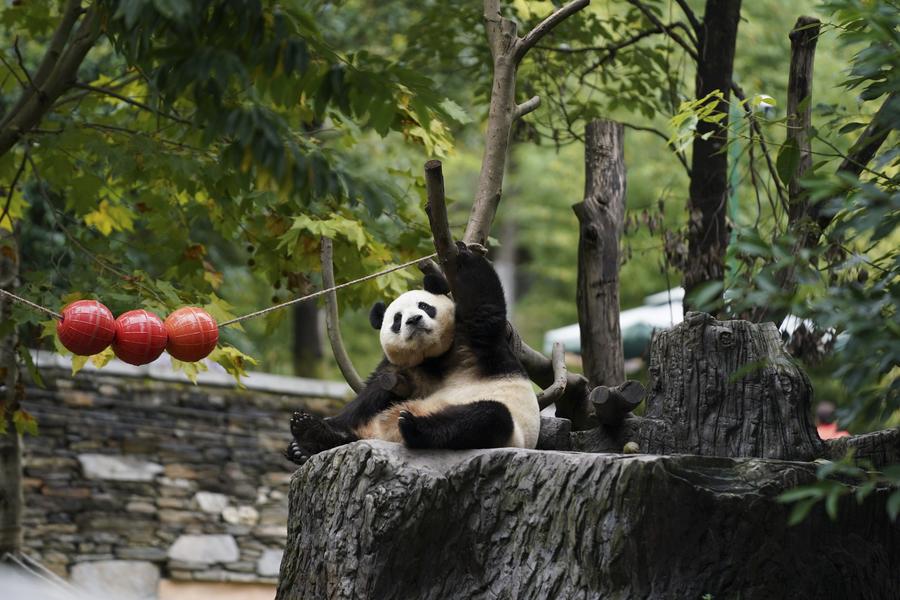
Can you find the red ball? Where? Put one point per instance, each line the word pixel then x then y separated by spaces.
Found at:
pixel 193 334
pixel 140 337
pixel 87 327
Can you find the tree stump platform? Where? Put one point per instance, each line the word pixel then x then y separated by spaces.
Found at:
pixel 375 520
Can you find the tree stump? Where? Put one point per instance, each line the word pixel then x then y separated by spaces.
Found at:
pixel 718 388
pixel 376 520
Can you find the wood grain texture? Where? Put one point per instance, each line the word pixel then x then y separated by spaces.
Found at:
pixel 374 520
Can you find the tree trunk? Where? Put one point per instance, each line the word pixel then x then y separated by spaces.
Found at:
pixel 804 37
pixel 307 339
pixel 601 217
pixel 707 230
pixel 374 520
pixel 11 495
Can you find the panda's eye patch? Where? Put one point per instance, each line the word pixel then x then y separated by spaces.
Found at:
pixel 395 327
pixel 427 309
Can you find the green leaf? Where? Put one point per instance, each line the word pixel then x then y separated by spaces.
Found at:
pixel 25 423
pixel 893 505
pixel 788 160
pixel 801 509
pixel 800 493
pixel 831 502
pixel 851 127
pixel 78 363
pixel 32 369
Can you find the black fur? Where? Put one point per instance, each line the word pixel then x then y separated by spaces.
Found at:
pixel 482 424
pixel 480 324
pixel 376 315
pixel 436 284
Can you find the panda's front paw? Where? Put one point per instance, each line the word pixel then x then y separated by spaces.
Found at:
pixel 411 430
pixel 296 454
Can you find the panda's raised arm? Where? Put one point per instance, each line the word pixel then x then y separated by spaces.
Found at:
pixel 479 300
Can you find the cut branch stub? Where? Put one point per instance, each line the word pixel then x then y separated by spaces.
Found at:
pixel 727 388
pixel 436 209
pixel 613 404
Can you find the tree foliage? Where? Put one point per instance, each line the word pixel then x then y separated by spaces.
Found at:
pixel 194 129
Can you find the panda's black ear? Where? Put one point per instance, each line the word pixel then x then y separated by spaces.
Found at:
pixel 376 315
pixel 436 284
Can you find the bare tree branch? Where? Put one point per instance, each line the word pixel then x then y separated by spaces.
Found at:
pixel 669 29
pixel 12 188
pixel 691 17
pixel 332 323
pixel 70 15
pixel 546 26
pixel 658 133
pixel 131 101
pixel 21 62
pixel 754 125
pixel 28 115
pixel 560 378
pixel 526 107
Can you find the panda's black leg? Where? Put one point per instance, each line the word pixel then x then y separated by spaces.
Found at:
pixel 315 434
pixel 482 424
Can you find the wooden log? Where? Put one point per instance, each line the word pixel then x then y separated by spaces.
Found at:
pixel 601 217
pixel 612 404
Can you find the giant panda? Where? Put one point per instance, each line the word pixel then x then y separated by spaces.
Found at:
pixel 468 388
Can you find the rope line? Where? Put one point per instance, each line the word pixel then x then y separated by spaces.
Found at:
pixel 53 314
pixel 258 313
pixel 331 289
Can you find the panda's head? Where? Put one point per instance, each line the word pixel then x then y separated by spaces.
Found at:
pixel 417 325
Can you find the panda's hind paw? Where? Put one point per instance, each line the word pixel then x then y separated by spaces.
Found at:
pixel 296 454
pixel 411 430
pixel 301 423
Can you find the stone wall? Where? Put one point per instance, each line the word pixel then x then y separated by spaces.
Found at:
pixel 136 477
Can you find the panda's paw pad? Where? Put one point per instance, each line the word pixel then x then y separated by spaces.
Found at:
pixel 296 454
pixel 302 423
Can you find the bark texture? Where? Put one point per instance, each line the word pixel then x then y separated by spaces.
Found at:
pixel 727 388
pixel 601 218
pixel 707 231
pixel 804 37
pixel 374 520
pixel 718 388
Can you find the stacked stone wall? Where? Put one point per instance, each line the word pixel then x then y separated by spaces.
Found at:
pixel 133 470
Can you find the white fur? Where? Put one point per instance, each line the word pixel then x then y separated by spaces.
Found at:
pixel 514 392
pixel 430 338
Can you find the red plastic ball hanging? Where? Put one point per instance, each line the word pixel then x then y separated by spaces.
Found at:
pixel 87 327
pixel 140 337
pixel 192 332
